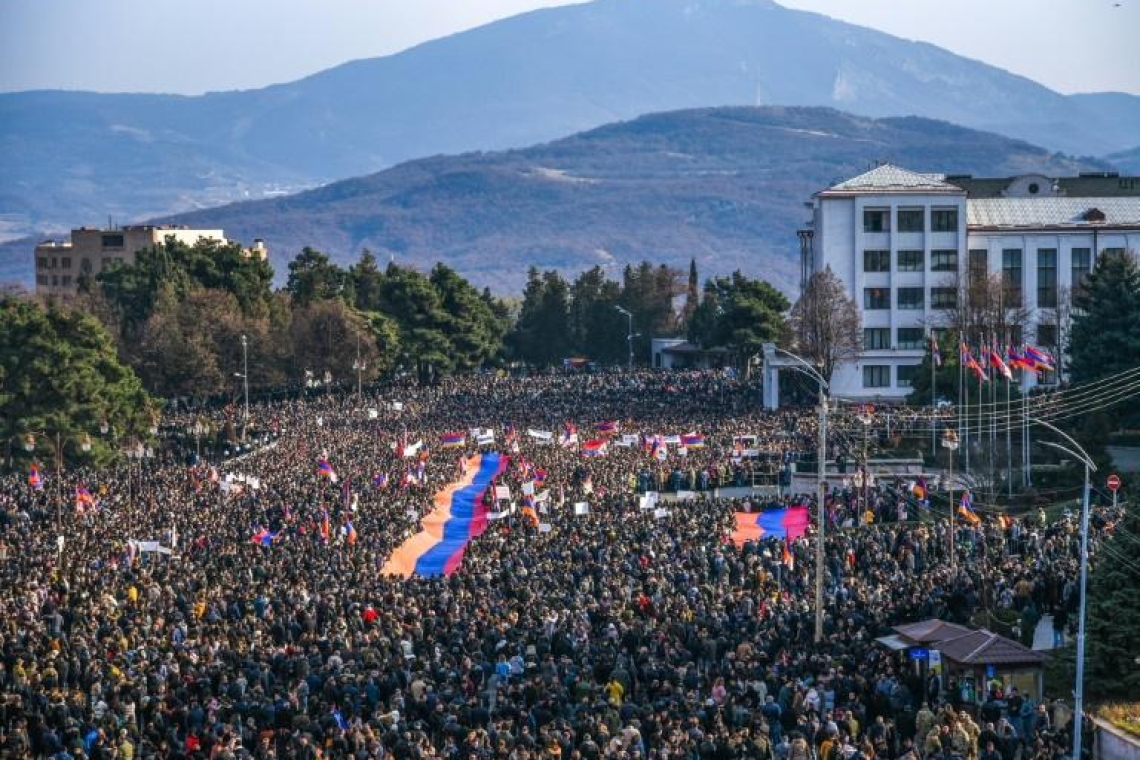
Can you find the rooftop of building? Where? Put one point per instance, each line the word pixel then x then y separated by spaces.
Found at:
pixel 888 178
pixel 1085 185
pixel 1053 212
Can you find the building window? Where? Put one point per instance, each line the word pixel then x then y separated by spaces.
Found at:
pixel 1111 251
pixel 944 220
pixel 876 298
pixel 66 281
pixel 912 220
pixel 1047 278
pixel 876 338
pixel 979 264
pixel 943 298
pixel 911 261
pixel 877 376
pixel 944 261
pixel 876 220
pixel 65 262
pixel 1081 266
pixel 112 241
pixel 41 262
pixel 911 298
pixel 1011 276
pixel 876 261
pixel 911 338
pixel 905 375
pixel 1047 335
pixel 42 279
pixel 85 266
pixel 54 280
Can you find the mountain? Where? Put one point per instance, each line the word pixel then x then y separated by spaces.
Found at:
pixel 1126 161
pixel 69 158
pixel 724 185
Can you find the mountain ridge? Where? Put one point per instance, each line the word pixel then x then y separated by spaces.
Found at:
pixel 75 158
pixel 722 185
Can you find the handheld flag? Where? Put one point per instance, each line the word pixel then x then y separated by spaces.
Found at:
pixel 324 469
pixel 34 479
pixel 594 448
pixel 693 441
pixel 609 427
pixel 966 510
pixel 919 489
pixel 83 498
pixel 452 440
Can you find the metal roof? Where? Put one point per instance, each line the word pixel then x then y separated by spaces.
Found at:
pixel 891 178
pixel 931 631
pixel 988 648
pixel 1050 212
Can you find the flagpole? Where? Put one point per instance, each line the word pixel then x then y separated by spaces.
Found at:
pixel 1009 437
pixel 963 408
pixel 933 401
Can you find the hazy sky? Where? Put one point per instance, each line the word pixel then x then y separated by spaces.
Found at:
pixel 193 46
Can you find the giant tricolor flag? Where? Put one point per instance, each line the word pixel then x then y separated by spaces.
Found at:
pixel 788 523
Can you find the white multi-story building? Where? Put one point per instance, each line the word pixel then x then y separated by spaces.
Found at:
pixel 905 243
pixel 60 264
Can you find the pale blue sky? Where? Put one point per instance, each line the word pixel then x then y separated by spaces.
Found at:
pixel 192 46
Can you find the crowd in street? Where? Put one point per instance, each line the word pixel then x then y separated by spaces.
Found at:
pixel 235 608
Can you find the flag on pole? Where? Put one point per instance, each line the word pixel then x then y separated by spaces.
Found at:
pixel 1040 359
pixel 935 354
pixel 972 364
pixel 1014 359
pixel 997 363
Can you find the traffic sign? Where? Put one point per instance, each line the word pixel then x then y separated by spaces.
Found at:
pixel 919 653
pixel 1114 483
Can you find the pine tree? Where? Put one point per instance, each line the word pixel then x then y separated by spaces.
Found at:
pixel 1113 623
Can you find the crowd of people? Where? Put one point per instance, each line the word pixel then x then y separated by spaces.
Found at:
pixel 235 608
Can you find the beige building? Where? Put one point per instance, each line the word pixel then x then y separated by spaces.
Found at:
pixel 60 264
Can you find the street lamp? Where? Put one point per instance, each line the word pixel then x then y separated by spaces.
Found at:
pixel 629 334
pixel 1078 453
pixel 950 443
pixel 359 365
pixel 821 482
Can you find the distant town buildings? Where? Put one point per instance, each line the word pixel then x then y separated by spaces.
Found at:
pixel 60 264
pixel 909 245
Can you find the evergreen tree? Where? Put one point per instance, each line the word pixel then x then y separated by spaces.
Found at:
pixel 740 314
pixel 542 333
pixel 1113 622
pixel 1105 338
pixel 313 277
pixel 59 376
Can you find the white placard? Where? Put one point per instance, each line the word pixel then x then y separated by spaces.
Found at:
pixel 660 512
pixel 528 488
pixel 581 508
pixel 540 435
pixel 545 527
pixel 671 440
pixel 686 495
pixel 373 414
pixel 502 492
pixel 629 440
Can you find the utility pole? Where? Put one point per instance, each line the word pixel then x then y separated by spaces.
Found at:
pixel 950 442
pixel 821 513
pixel 629 336
pixel 245 382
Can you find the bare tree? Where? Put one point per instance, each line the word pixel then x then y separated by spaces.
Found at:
pixel 825 323
pixel 986 312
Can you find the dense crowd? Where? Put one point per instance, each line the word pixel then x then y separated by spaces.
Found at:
pixel 254 621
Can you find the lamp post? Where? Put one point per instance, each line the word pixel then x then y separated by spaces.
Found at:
pixel 866 418
pixel 821 483
pixel 245 382
pixel 1078 453
pixel 629 336
pixel 950 443
pixel 359 365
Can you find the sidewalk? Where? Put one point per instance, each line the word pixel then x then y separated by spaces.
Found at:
pixel 1043 635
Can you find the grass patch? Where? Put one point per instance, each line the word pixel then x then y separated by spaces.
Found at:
pixel 1123 715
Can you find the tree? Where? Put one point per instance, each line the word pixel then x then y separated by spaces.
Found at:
pixel 313 277
pixel 594 321
pixel 367 281
pixel 59 376
pixel 826 324
pixel 542 332
pixel 741 314
pixel 1104 339
pixel 1113 601
pixel 648 292
pixel 415 305
pixel 328 336
pixel 472 326
pixel 985 312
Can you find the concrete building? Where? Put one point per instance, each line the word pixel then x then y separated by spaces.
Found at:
pixel 905 244
pixel 60 264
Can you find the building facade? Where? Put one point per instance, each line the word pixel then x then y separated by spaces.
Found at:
pixel 60 264
pixel 908 246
